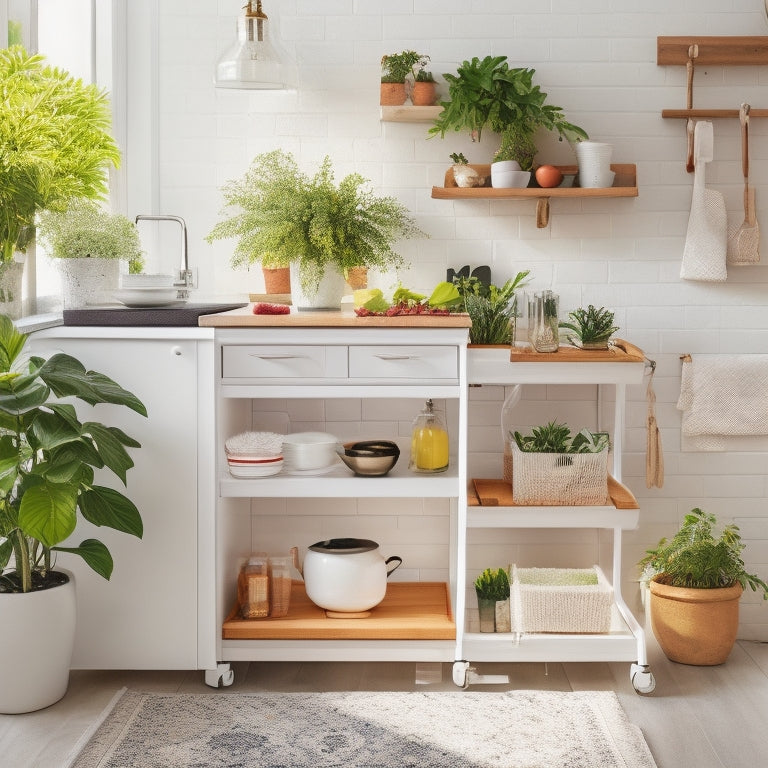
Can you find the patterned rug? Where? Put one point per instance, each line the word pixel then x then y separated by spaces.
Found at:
pixel 514 729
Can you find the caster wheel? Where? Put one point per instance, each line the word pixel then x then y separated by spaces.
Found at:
pixel 220 677
pixel 461 674
pixel 642 678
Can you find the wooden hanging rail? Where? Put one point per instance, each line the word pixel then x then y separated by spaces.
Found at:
pixel 728 51
pixel 707 114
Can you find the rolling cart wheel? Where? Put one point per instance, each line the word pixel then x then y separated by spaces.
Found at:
pixel 642 678
pixel 220 677
pixel 461 674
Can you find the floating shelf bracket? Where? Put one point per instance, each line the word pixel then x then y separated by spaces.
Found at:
pixel 695 51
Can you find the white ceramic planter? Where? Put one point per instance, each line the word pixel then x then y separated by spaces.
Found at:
pixel 37 635
pixel 346 575
pixel 327 294
pixel 88 281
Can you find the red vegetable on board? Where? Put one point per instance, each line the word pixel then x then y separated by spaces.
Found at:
pixel 271 309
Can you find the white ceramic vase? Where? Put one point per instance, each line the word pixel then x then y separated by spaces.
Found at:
pixel 326 295
pixel 11 275
pixel 88 281
pixel 37 635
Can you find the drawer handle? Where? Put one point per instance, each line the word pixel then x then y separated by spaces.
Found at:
pixel 278 357
pixel 397 357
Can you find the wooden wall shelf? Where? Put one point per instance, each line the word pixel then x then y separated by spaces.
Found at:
pixel 727 51
pixel 624 185
pixel 407 113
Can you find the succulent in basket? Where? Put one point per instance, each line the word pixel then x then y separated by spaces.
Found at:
pixel 557 438
pixel 592 328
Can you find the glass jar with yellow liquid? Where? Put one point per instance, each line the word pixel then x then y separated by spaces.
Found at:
pixel 429 442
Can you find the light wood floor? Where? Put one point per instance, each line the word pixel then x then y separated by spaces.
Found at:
pixel 698 717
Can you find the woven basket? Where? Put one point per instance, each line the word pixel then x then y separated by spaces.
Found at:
pixel 547 602
pixel 559 478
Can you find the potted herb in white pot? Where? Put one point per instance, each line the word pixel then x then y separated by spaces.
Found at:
pixel 56 147
pixel 322 229
pixel 88 243
pixel 47 462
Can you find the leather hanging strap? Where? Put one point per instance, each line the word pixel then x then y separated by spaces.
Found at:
pixel 654 454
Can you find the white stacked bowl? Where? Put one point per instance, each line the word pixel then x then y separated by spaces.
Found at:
pixel 309 451
pixel 594 164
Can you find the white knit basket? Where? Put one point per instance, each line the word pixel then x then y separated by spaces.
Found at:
pixel 551 604
pixel 559 478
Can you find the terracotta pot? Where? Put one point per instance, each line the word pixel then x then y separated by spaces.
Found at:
pixel 423 94
pixel 277 280
pixel 357 277
pixel 392 94
pixel 695 626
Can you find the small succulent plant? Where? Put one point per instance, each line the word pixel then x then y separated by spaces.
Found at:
pixel 492 584
pixel 591 327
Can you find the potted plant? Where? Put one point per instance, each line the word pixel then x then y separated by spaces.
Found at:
pixel 491 587
pixel 592 328
pixel 487 93
pixel 47 462
pixel 424 91
pixel 56 147
pixel 396 68
pixel 552 466
pixel 88 243
pixel 696 580
pixel 491 309
pixel 320 228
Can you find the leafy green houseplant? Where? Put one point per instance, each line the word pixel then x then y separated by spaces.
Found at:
pixel 491 309
pixel 282 215
pixel 696 580
pixel 592 328
pixel 55 145
pixel 88 243
pixel 487 93
pixel 47 462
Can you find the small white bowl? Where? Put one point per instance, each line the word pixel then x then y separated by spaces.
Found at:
pixel 511 179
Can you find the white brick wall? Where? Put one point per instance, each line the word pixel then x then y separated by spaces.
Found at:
pixel 596 58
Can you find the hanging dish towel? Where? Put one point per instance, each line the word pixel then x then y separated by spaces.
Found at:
pixel 723 396
pixel 706 241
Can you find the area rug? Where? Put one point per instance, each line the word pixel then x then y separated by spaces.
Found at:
pixel 514 729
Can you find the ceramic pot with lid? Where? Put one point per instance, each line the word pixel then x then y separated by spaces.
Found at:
pixel 347 575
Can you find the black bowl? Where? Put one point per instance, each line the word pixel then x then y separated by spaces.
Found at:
pixel 372 448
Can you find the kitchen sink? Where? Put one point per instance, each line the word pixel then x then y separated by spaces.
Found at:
pixel 178 316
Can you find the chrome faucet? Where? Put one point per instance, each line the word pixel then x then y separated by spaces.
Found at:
pixel 184 280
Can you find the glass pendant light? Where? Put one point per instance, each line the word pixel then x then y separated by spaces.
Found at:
pixel 254 60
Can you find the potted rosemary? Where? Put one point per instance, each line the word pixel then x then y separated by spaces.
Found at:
pixel 696 580
pixel 56 147
pixel 88 243
pixel 47 462
pixel 280 215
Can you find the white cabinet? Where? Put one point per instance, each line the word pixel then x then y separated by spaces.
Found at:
pixel 318 363
pixel 626 640
pixel 146 616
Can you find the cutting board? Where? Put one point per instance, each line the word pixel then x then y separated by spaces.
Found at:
pixel 498 493
pixel 619 352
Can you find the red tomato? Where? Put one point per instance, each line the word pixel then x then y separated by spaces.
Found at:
pixel 548 176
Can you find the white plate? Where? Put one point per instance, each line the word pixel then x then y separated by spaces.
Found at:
pixel 148 297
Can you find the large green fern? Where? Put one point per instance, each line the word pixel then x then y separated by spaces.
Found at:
pixel 696 558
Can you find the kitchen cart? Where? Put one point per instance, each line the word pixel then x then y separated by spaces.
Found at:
pixel 328 356
pixel 622 366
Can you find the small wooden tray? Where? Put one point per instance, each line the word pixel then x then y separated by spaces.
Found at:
pixel 620 351
pixel 498 493
pixel 410 611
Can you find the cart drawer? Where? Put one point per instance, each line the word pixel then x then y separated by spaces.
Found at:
pixel 289 362
pixel 412 362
